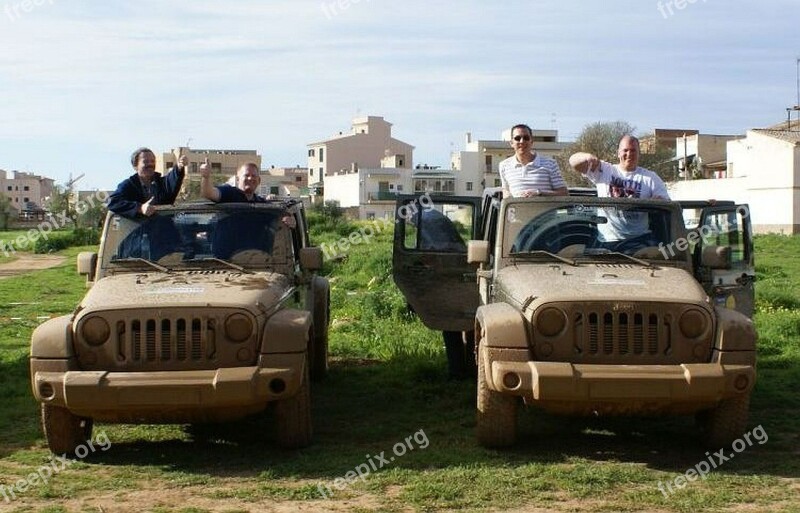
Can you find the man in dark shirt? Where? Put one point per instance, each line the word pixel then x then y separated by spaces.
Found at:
pixel 248 179
pixel 136 195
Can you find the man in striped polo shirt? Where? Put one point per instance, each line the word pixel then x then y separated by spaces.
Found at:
pixel 527 173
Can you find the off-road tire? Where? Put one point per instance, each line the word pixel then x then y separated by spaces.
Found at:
pixel 63 430
pixel 726 422
pixel 293 427
pixel 496 414
pixel 320 308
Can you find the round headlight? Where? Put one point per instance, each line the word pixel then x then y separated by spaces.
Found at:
pixel 238 327
pixel 693 323
pixel 96 331
pixel 551 321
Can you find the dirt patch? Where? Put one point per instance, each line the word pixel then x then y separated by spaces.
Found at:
pixel 26 263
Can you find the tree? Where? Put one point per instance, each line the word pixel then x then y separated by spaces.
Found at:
pixel 6 211
pixel 61 202
pixel 602 140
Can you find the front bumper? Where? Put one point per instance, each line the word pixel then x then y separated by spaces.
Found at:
pixel 102 394
pixel 586 384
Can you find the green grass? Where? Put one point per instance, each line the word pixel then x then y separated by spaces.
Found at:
pixel 387 382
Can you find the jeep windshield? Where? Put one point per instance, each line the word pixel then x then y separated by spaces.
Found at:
pixel 240 238
pixel 596 229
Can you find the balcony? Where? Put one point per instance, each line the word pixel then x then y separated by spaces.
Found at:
pixel 381 196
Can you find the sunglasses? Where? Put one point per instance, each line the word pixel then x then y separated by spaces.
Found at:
pixel 519 138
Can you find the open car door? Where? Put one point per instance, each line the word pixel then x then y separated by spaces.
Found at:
pixel 429 262
pixel 726 232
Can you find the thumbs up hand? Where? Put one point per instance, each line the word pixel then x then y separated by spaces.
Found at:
pixel 147 208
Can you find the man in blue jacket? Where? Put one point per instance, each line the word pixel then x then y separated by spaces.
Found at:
pixel 136 196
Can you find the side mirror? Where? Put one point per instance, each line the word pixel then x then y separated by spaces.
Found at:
pixel 87 264
pixel 311 259
pixel 478 252
pixel 716 257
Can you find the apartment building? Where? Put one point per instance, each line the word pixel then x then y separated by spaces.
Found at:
pixel 225 162
pixel 25 191
pixel 367 143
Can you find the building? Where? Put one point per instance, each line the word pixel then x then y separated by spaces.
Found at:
pixel 284 182
pixel 26 191
pixel 763 170
pixel 224 162
pixel 477 166
pixel 369 193
pixel 663 139
pixel 364 147
pixel 704 154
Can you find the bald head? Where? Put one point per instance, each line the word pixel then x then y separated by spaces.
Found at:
pixel 628 153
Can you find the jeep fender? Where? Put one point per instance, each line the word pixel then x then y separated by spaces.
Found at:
pixel 501 325
pixel 53 339
pixel 287 332
pixel 735 331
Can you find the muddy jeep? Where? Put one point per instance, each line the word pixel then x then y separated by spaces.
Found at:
pixel 559 316
pixel 200 314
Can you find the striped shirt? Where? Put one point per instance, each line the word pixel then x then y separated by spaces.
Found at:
pixel 541 173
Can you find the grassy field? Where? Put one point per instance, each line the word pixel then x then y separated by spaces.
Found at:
pixel 388 385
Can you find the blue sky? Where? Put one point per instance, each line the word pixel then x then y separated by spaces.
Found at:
pixel 83 82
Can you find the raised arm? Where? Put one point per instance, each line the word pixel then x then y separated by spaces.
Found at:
pixel 583 162
pixel 207 189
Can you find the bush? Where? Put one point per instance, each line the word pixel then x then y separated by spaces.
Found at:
pixel 57 241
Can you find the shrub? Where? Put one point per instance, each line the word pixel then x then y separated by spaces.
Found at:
pixel 56 241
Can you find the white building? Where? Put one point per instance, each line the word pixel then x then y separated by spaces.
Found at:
pixel 477 166
pixel 369 141
pixel 763 170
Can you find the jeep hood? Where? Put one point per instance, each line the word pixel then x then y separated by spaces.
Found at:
pixel 187 289
pixel 597 282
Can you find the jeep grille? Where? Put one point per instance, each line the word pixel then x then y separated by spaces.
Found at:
pixel 631 333
pixel 174 339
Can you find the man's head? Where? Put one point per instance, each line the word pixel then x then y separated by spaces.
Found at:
pixel 144 161
pixel 628 153
pixel 521 138
pixel 248 178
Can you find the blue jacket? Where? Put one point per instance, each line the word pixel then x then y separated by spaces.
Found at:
pixel 129 196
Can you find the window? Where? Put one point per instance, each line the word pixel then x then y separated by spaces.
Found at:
pixel 26 188
pixel 391 186
pixel 497 182
pixel 170 165
pixel 321 154
pixel 311 153
pixel 469 186
pixel 320 174
pixel 370 216
pixel 400 163
pixel 9 187
pixel 274 190
pixel 216 167
pixel 399 187
pixel 298 178
pixel 488 163
pixel 26 199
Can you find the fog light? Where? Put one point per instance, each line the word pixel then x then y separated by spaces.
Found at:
pixel 277 386
pixel 47 391
pixel 741 382
pixel 511 380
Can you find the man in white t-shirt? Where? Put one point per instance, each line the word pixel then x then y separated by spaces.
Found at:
pixel 624 180
pixel 527 173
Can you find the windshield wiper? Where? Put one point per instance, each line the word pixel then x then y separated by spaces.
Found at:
pixel 141 261
pixel 540 252
pixel 221 261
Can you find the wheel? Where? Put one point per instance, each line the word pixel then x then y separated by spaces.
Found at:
pixel 726 422
pixel 63 430
pixel 460 354
pixel 321 309
pixel 497 414
pixel 293 417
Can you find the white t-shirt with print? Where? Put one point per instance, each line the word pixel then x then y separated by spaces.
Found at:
pixel 613 182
